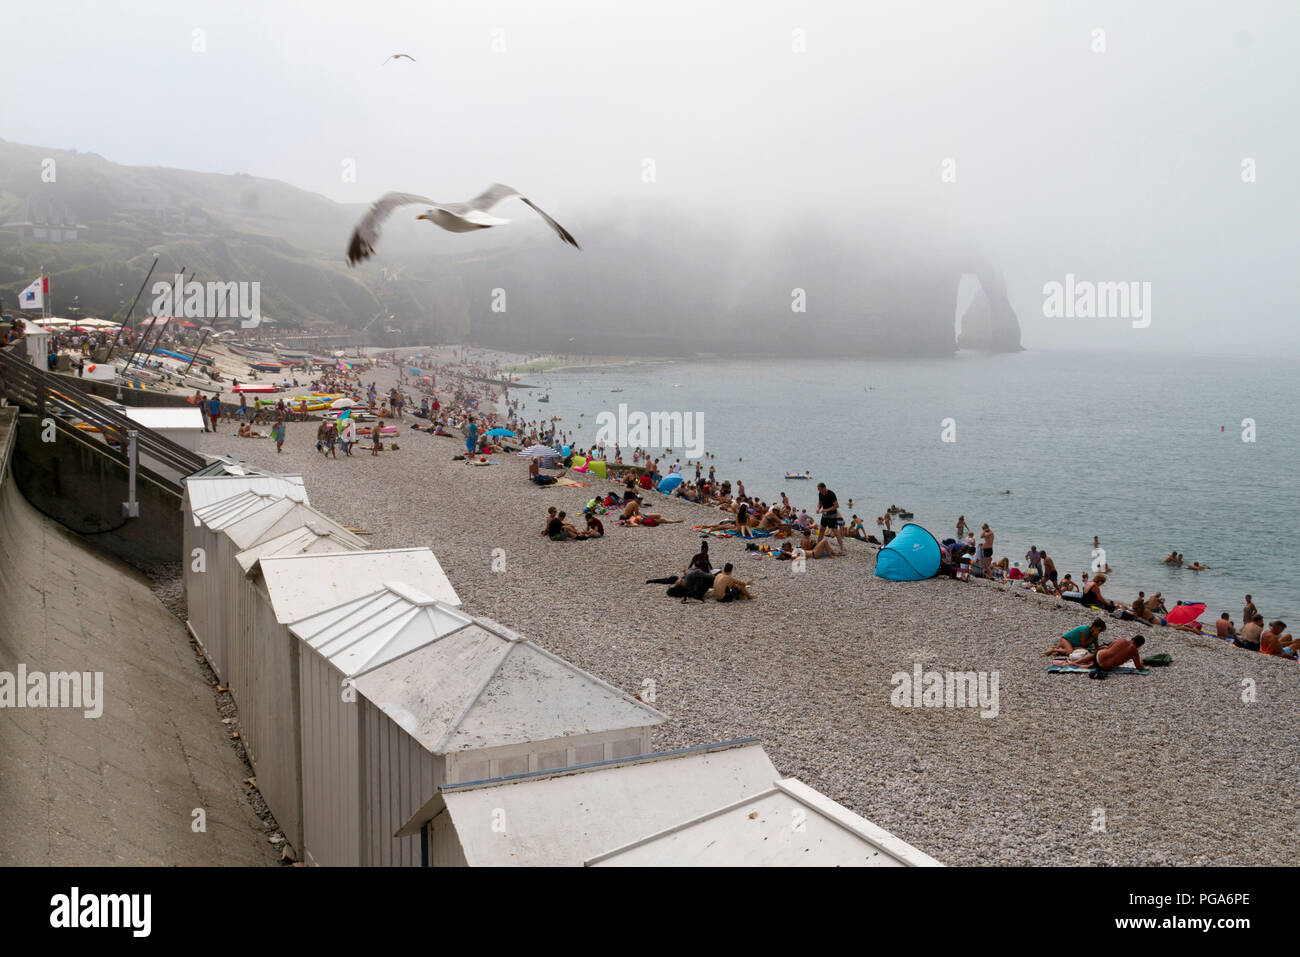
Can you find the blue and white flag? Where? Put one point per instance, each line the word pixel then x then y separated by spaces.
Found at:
pixel 33 297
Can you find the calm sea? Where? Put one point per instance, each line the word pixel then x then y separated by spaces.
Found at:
pixel 1145 452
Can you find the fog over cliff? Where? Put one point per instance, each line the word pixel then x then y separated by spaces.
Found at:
pixel 714 158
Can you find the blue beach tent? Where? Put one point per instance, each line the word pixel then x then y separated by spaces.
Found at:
pixel 912 556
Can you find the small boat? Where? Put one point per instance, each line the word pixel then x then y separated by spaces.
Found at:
pixel 615 390
pixel 264 366
pixel 795 475
pixel 545 398
pixel 256 388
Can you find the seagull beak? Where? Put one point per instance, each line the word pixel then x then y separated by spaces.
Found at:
pixel 422 216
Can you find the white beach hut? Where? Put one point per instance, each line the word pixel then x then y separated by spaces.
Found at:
pixel 401 693
pixel 260 670
pixel 566 816
pixel 215 482
pixel 288 578
pixel 37 339
pixel 212 576
pixel 788 825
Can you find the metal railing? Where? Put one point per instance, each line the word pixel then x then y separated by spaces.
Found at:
pixel 43 393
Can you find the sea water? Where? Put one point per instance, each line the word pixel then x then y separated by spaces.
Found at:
pixel 1150 453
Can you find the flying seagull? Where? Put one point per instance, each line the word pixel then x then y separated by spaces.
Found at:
pixel 454 217
pixel 400 56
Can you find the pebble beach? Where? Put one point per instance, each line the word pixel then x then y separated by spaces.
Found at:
pixel 1179 767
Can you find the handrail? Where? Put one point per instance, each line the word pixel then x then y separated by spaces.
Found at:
pixel 43 393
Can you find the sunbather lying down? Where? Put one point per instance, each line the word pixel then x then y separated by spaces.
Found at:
pixel 1113 655
pixel 632 515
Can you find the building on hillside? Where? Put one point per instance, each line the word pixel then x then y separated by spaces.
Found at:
pixel 46 221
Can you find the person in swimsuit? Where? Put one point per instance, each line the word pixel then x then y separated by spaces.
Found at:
pixel 1114 655
pixel 1084 636
pixel 726 582
pixel 822 548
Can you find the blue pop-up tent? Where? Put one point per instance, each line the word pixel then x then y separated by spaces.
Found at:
pixel 913 555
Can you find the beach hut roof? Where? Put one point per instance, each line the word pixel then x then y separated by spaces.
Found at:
pixel 374 629
pixel 209 489
pixel 226 465
pixel 273 519
pixel 568 815
pixel 228 511
pixel 756 831
pixel 317 534
pixel 478 685
pixel 303 585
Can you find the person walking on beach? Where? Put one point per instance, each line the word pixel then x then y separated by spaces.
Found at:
pixel 829 506
pixel 962 527
pixel 277 433
pixel 1250 611
pixel 986 549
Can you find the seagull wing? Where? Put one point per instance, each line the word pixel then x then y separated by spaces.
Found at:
pixel 497 193
pixel 366 233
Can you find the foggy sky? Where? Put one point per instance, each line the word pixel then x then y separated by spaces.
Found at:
pixel 1114 166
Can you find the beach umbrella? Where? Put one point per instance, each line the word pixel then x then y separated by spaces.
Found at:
pixel 501 432
pixel 1185 614
pixel 567 450
pixel 342 404
pixel 540 452
pixel 670 482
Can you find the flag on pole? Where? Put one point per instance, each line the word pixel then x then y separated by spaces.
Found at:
pixel 33 297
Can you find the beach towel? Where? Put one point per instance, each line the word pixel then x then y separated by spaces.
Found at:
pixel 1076 670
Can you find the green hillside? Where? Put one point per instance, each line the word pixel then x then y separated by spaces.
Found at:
pixel 220 227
